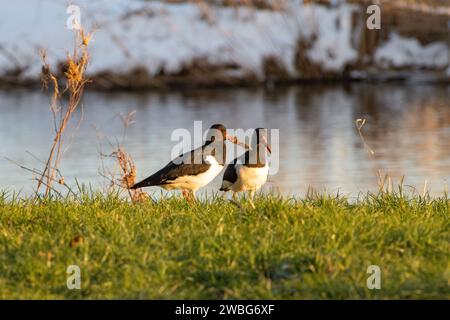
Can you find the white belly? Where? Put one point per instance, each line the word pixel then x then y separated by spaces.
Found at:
pixel 250 178
pixel 195 182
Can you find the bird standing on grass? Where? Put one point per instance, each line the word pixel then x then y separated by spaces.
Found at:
pixel 194 169
pixel 250 171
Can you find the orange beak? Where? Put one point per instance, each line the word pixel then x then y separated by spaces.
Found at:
pixel 235 140
pixel 266 144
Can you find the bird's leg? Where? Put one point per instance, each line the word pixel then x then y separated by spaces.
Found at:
pixel 192 196
pixel 251 195
pixel 185 194
pixel 234 200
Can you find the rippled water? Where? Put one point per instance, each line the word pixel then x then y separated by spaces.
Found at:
pixel 408 127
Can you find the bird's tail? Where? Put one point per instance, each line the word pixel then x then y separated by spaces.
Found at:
pixel 225 186
pixel 143 183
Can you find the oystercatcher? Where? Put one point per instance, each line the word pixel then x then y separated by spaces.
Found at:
pixel 250 171
pixel 194 169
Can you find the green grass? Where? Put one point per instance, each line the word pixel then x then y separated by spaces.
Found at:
pixel 315 248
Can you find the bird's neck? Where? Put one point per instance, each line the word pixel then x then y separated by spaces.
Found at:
pixel 217 149
pixel 256 157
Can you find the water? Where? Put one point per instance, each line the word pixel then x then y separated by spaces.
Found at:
pixel 408 128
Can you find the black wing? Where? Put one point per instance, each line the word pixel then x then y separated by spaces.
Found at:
pixel 230 174
pixel 176 168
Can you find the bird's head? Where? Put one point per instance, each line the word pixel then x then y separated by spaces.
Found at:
pixel 217 132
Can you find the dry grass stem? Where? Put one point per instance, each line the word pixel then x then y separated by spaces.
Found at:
pixel 359 124
pixel 75 79
pixel 128 172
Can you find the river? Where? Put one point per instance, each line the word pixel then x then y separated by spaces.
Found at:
pixel 407 127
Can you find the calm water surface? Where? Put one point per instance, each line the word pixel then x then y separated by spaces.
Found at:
pixel 408 127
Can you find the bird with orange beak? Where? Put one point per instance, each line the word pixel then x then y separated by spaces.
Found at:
pixel 195 169
pixel 249 172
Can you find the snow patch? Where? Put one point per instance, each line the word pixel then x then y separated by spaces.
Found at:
pixel 406 52
pixel 333 28
pixel 158 35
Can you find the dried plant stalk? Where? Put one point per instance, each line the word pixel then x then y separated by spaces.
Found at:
pixel 359 124
pixel 75 81
pixel 128 179
pixel 128 172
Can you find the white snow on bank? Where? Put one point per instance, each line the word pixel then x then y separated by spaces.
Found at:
pixel 333 48
pixel 423 7
pixel 167 36
pixel 405 52
pixel 161 36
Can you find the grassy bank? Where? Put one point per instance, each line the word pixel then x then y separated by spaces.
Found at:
pixel 295 249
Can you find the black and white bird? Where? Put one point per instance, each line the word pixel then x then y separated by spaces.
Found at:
pixel 192 170
pixel 249 172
